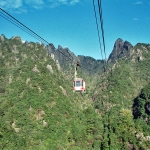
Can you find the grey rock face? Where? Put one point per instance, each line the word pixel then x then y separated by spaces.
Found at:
pixel 2 37
pixel 64 56
pixel 26 43
pixel 17 38
pixel 90 64
pixel 121 50
pixel 61 54
pixel 50 49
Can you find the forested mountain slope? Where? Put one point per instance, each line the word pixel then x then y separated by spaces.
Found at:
pixel 38 109
pixel 115 99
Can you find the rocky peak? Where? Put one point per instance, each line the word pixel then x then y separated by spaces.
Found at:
pixel 62 55
pixel 17 38
pixel 2 37
pixel 51 49
pixel 26 43
pixel 121 50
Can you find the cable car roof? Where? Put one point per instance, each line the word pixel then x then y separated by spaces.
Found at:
pixel 77 79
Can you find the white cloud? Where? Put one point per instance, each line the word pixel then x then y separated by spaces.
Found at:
pixel 18 3
pixel 10 4
pixel 63 1
pixel 3 3
pixel 139 3
pixel 20 6
pixel 35 2
pixel 73 2
pixel 19 10
pixel 17 6
pixel 135 19
pixel 56 3
pixel 53 5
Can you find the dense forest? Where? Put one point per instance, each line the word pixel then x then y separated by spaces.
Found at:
pixel 39 110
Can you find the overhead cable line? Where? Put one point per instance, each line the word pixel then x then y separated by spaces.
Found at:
pixel 16 22
pixel 25 26
pixel 105 67
pixel 65 55
pixel 102 30
pixel 101 21
pixel 97 29
pixel 11 21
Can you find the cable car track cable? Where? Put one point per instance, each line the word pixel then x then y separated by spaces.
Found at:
pixel 23 27
pixel 102 30
pixel 108 113
pixel 105 65
pixel 97 29
pixel 5 17
pixel 33 33
pixel 101 22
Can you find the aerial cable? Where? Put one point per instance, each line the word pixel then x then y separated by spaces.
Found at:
pixel 97 29
pixel 10 20
pixel 24 26
pixel 101 21
pixel 33 33
pixel 20 25
pixel 65 55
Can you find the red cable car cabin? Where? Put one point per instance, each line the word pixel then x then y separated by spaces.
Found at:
pixel 78 85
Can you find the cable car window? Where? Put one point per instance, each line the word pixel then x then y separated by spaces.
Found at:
pixel 78 83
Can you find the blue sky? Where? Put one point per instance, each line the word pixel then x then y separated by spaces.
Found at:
pixel 72 23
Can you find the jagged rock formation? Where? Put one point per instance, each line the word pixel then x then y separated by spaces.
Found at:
pixel 90 64
pixel 61 54
pixel 2 37
pixel 17 38
pixel 121 50
pixel 64 54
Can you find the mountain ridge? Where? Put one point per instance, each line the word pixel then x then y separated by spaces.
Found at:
pixel 121 50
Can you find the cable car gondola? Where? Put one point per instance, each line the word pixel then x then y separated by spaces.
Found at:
pixel 78 83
